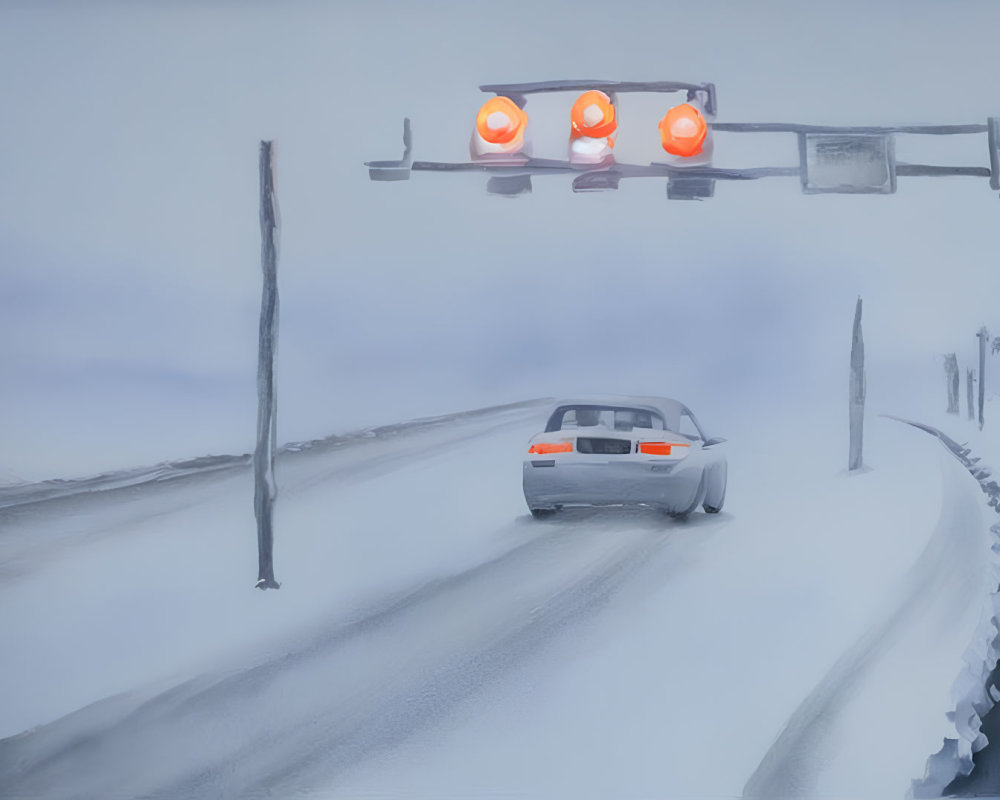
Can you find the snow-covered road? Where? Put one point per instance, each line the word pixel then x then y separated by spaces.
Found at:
pixel 431 639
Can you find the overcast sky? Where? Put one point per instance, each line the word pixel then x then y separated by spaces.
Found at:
pixel 130 240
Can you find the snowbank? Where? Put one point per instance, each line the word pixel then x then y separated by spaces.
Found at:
pixel 950 770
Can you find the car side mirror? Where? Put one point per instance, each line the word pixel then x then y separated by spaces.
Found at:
pixel 713 440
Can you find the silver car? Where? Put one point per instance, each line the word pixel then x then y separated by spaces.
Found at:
pixel 599 451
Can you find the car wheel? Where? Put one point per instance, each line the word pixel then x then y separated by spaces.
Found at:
pixel 542 513
pixel 699 496
pixel 716 495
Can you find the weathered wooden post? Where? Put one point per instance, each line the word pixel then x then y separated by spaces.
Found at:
pixel 970 378
pixel 951 370
pixel 984 337
pixel 857 391
pixel 263 459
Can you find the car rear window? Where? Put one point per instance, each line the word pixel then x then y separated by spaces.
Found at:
pixel 612 418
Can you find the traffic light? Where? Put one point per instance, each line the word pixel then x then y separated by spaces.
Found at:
pixel 500 130
pixel 686 137
pixel 831 159
pixel 683 131
pixel 593 127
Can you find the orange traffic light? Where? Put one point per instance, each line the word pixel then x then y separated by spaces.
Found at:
pixel 593 126
pixel 593 115
pixel 683 130
pixel 500 127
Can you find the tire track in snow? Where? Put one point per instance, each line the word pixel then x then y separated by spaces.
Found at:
pixel 791 768
pixel 350 693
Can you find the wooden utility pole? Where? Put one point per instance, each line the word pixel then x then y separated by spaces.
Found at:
pixel 951 370
pixel 857 391
pixel 970 378
pixel 263 458
pixel 984 337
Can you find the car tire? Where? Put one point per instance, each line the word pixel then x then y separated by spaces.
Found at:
pixel 715 498
pixel 542 513
pixel 699 497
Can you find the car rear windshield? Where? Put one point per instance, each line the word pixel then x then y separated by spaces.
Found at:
pixel 613 418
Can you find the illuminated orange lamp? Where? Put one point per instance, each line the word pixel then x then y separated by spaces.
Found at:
pixel 593 127
pixel 683 131
pixel 659 448
pixel 500 128
pixel 543 448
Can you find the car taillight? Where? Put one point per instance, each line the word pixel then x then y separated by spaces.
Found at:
pixel 660 448
pixel 543 448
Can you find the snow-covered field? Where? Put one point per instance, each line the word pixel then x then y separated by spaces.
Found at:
pixel 431 640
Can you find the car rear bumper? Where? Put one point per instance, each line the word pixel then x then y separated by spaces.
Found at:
pixel 553 482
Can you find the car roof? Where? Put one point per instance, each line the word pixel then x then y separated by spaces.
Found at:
pixel 670 409
pixel 664 404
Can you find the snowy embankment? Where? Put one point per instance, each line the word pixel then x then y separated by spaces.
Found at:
pixel 431 639
pixel 24 493
pixel 963 766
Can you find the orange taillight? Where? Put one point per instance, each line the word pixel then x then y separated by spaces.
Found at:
pixel 593 115
pixel 659 448
pixel 683 130
pixel 543 448
pixel 500 121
